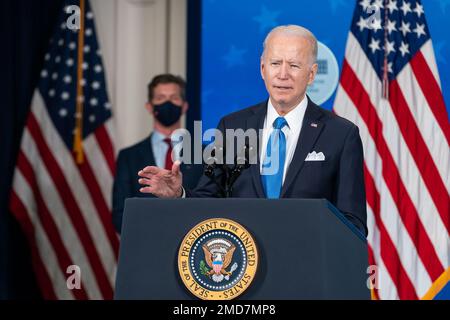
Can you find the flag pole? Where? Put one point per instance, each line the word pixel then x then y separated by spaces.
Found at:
pixel 78 137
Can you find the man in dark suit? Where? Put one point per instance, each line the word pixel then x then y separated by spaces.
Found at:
pixel 166 103
pixel 319 155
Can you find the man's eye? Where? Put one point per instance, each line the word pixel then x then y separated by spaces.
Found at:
pixel 275 63
pixel 295 66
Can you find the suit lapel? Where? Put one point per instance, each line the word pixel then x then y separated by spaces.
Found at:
pixel 146 153
pixel 311 129
pixel 257 122
pixel 144 157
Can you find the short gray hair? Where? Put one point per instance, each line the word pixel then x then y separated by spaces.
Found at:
pixel 294 30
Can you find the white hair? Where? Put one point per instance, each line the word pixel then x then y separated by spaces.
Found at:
pixel 296 31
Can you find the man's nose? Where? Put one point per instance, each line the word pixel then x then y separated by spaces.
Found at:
pixel 283 74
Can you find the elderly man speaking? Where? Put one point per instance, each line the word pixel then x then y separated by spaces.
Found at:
pixel 320 154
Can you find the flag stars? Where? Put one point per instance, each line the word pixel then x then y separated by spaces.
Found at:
pixel 51 92
pixel 63 112
pixel 80 99
pixel 89 15
pixel 69 62
pixel 375 25
pixel 362 24
pixel 405 28
pixel 406 8
pixel 420 30
pixel 65 95
pixel 87 49
pixel 378 4
pixel 391 26
pixel 88 32
pixel 58 59
pixel 92 118
pixel 374 45
pixel 67 79
pixel 404 48
pixel 83 82
pixel 365 4
pixel 95 85
pixel 72 45
pixel 93 102
pixel 418 9
pixel 85 65
pixel 54 76
pixel 392 6
pixel 44 73
pixel 98 68
pixel 389 67
pixel 107 105
pixel 390 47
pixel 47 57
pixel 60 42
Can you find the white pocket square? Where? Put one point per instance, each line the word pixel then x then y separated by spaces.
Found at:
pixel 314 156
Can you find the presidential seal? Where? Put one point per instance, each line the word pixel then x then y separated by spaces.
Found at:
pixel 217 259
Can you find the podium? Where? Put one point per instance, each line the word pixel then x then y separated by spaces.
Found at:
pixel 307 249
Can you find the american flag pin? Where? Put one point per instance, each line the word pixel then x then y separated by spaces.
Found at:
pixel 313 124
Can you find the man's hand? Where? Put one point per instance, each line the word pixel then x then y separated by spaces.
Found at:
pixel 161 182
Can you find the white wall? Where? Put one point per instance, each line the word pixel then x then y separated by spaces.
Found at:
pixel 139 39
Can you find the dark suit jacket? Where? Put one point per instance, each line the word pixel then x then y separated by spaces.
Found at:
pixel 339 179
pixel 129 162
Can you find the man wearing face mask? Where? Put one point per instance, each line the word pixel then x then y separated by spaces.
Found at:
pixel 166 103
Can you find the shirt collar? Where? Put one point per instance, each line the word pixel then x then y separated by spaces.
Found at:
pixel 292 117
pixel 158 137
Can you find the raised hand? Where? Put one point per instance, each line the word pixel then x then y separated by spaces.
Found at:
pixel 161 182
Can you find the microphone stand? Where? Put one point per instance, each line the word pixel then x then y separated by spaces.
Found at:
pixel 213 163
pixel 229 174
pixel 209 171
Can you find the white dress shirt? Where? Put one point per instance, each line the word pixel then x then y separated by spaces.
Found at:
pixel 294 119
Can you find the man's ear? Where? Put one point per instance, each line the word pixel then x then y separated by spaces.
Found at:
pixel 261 69
pixel 149 107
pixel 312 73
pixel 185 107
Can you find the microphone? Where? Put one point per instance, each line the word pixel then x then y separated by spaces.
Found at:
pixel 212 162
pixel 243 161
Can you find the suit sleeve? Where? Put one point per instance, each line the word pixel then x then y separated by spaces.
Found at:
pixel 122 189
pixel 205 187
pixel 350 192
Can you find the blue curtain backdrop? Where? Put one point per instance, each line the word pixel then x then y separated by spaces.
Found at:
pixel 233 31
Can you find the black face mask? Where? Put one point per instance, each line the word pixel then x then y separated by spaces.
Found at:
pixel 167 113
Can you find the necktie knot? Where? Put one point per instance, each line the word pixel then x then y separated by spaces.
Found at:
pixel 279 123
pixel 168 141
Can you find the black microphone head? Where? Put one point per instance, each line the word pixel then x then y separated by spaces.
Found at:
pixel 215 159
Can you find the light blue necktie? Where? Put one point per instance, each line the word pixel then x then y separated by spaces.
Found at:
pixel 273 165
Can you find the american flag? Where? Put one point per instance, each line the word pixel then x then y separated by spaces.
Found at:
pixel 390 88
pixel 60 197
